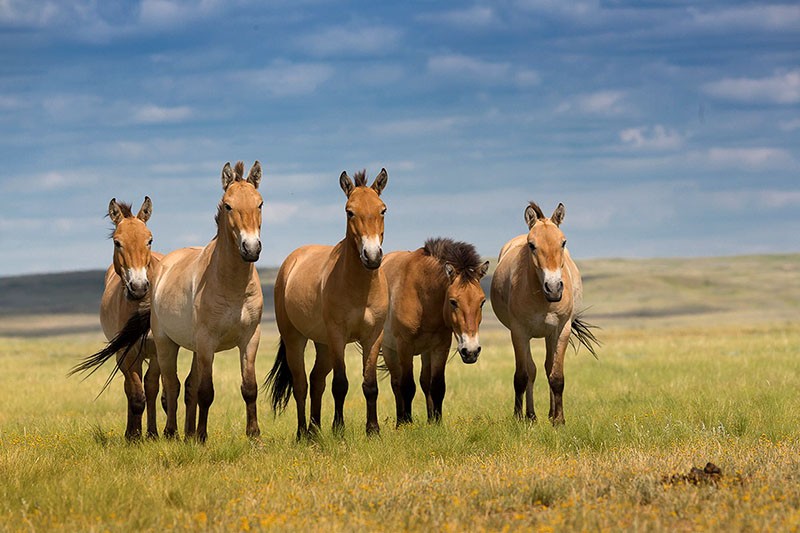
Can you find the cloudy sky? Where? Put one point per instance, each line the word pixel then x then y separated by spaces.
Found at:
pixel 666 130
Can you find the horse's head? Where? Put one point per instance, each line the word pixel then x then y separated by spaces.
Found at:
pixel 365 212
pixel 546 244
pixel 464 307
pixel 240 209
pixel 132 241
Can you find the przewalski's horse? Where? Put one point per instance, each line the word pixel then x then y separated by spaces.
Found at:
pixel 209 299
pixel 127 291
pixel 333 295
pixel 536 292
pixel 434 294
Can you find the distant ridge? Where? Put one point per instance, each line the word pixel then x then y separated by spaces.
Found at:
pixel 67 292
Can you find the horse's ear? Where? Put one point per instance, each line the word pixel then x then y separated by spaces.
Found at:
pixel 146 210
pixel 254 177
pixel 530 216
pixel 238 170
pixel 558 214
pixel 380 181
pixel 114 212
pixel 227 176
pixel 483 269
pixel 450 270
pixel 346 183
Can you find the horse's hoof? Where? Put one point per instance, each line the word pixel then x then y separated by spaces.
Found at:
pixel 373 430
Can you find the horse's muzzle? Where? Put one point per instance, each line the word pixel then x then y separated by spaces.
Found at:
pixel 250 251
pixel 553 290
pixel 372 262
pixel 470 356
pixel 137 289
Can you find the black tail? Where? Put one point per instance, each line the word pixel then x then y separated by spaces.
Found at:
pixel 279 381
pixel 582 332
pixel 133 333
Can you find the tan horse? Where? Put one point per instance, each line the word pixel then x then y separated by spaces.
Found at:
pixel 333 295
pixel 127 290
pixel 536 292
pixel 434 294
pixel 209 299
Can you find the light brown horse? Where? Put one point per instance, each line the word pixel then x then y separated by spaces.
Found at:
pixel 434 294
pixel 536 292
pixel 209 299
pixel 127 290
pixel 333 295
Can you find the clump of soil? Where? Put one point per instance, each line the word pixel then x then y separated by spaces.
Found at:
pixel 710 475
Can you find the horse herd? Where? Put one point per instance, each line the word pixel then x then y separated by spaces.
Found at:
pixel 209 299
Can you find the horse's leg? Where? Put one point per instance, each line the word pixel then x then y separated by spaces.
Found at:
pixel 295 345
pixel 554 366
pixel 322 367
pixel 151 386
pixel 405 365
pixel 392 361
pixel 247 357
pixel 425 382
pixel 131 367
pixel 205 384
pixel 190 400
pixel 438 360
pixel 339 386
pixel 524 375
pixel 168 363
pixel 371 347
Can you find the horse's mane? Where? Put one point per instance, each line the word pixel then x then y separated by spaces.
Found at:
pixel 461 255
pixel 360 178
pixel 537 210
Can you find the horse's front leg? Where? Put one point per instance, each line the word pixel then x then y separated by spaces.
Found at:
pixel 190 400
pixel 168 363
pixel 151 386
pixel 438 360
pixel 404 389
pixel 247 358
pixel 372 347
pixel 556 346
pixel 524 375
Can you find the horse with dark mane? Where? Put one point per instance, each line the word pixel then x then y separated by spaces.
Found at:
pixel 434 294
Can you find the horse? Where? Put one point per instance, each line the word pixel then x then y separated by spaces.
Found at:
pixel 127 290
pixel 434 294
pixel 333 295
pixel 208 299
pixel 536 292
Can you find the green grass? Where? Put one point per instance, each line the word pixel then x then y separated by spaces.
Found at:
pixel 655 403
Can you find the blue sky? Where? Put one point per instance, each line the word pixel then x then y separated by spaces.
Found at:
pixel 666 128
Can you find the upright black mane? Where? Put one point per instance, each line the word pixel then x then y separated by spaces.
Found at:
pixel 360 178
pixel 461 255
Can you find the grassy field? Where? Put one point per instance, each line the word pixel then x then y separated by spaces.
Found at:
pixel 691 371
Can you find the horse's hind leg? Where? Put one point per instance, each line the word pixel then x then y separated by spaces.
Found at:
pixel 524 376
pixel 392 361
pixel 554 366
pixel 322 367
pixel 205 386
pixel 369 386
pixel 151 386
pixel 168 362
pixel 339 385
pixel 190 400
pixel 131 367
pixel 295 345
pixel 249 386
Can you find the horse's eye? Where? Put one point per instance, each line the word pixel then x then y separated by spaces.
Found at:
pixel 483 302
pixel 261 205
pixel 350 214
pixel 453 303
pixel 117 244
pixel 228 207
pixel 150 243
pixel 564 243
pixel 383 211
pixel 532 246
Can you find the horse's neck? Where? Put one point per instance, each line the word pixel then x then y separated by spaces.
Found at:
pixel 348 264
pixel 225 262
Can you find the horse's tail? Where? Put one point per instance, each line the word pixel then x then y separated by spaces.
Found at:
pixel 583 334
pixel 133 334
pixel 279 381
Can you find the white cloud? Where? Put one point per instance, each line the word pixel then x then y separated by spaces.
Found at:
pixel 597 103
pixel 752 158
pixel 469 18
pixel 373 40
pixel 742 199
pixel 578 11
pixel 161 13
pixel 790 125
pixel 152 114
pixel 781 88
pixel 762 17
pixel 654 138
pixel 466 68
pixel 288 79
pixel 416 126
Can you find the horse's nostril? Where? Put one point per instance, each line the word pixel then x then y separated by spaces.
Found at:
pixel 464 352
pixel 478 350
